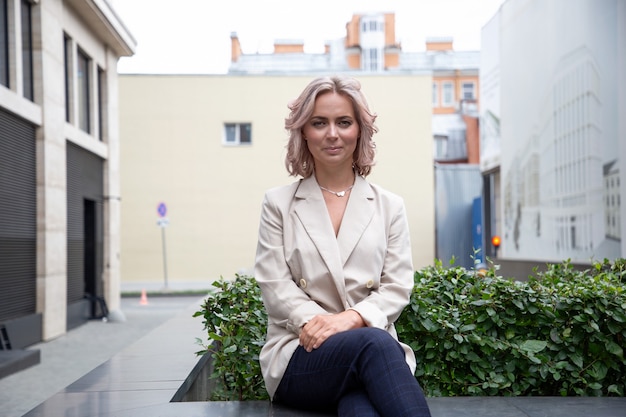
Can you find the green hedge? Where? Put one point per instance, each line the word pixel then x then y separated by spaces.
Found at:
pixel 560 333
pixel 235 322
pixel 474 333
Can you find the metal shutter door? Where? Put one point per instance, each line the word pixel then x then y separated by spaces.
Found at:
pixel 84 182
pixel 18 217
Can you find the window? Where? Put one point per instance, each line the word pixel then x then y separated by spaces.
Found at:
pixel 85 91
pixel 82 75
pixel 27 50
pixel 372 59
pixel 4 44
pixel 448 90
pixel 441 147
pixel 468 91
pixel 372 26
pixel 435 95
pixel 101 102
pixel 67 59
pixel 237 134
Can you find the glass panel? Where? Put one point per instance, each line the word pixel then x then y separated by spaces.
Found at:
pixel 230 131
pixel 4 44
pixel 374 59
pixel 27 50
pixel 67 61
pixel 447 94
pixel 83 91
pixel 468 91
pixel 245 133
pixel 101 102
pixel 441 145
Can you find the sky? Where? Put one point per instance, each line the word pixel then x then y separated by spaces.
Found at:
pixel 193 36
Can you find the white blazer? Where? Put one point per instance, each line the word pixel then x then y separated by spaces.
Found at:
pixel 304 270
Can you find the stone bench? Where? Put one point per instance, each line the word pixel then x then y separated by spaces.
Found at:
pixel 160 373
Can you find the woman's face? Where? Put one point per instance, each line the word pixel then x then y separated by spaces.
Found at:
pixel 332 132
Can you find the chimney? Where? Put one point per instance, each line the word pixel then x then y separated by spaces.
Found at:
pixel 235 47
pixel 436 44
pixel 288 46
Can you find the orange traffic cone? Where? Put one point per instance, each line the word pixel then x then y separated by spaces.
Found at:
pixel 144 298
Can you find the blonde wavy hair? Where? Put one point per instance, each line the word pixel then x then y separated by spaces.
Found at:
pixel 299 160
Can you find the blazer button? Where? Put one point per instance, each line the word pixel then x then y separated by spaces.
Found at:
pixel 303 283
pixel 370 283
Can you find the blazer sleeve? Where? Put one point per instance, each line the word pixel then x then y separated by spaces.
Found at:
pixel 382 307
pixel 286 304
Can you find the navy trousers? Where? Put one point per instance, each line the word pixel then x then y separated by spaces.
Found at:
pixel 360 372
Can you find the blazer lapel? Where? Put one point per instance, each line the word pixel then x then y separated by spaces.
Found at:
pixel 356 218
pixel 313 214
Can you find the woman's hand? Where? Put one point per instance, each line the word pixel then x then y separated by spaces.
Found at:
pixel 321 327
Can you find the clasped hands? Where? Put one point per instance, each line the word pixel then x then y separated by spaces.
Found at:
pixel 321 327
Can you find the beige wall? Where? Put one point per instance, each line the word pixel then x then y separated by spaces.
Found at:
pixel 171 151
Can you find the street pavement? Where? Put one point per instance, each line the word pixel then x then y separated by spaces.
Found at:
pixel 69 357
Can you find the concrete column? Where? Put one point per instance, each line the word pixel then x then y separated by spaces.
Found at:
pixel 112 201
pixel 51 174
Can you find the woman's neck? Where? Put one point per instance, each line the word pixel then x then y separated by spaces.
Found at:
pixel 335 180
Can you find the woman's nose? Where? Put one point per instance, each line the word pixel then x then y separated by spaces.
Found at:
pixel 332 131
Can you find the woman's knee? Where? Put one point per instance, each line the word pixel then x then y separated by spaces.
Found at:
pixel 378 339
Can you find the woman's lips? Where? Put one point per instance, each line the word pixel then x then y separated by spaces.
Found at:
pixel 333 149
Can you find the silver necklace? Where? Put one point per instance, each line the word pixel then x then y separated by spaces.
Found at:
pixel 338 193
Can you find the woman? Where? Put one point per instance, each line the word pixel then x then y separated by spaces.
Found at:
pixel 334 267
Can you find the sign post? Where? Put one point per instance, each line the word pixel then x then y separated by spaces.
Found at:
pixel 163 222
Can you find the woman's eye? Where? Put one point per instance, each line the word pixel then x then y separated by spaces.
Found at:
pixel 345 123
pixel 317 123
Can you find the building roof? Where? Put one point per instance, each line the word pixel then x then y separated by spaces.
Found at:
pixel 327 62
pixel 450 60
pixel 102 18
pixel 279 63
pixel 335 60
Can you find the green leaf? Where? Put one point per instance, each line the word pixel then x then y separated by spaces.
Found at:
pixel 215 336
pixel 230 349
pixel 467 327
pixel 598 371
pixel 429 325
pixel 477 370
pixel 577 359
pixel 615 349
pixel 619 315
pixel 533 346
pixel 554 335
